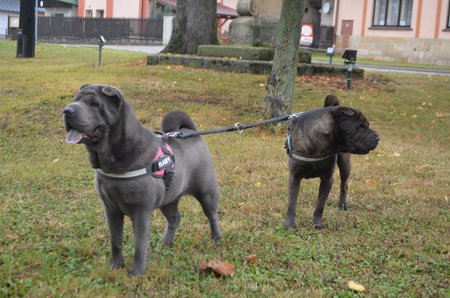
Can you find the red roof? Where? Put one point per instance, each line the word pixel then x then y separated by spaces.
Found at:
pixel 222 10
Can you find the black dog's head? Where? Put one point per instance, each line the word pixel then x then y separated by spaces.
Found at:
pixel 95 109
pixel 353 132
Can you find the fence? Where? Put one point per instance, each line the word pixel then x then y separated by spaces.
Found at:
pixel 92 28
pixel 326 36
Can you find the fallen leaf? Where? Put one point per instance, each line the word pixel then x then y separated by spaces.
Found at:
pixel 203 266
pixel 11 236
pixel 219 268
pixel 355 286
pixel 372 182
pixel 258 184
pixel 251 259
pixel 396 154
pixel 197 238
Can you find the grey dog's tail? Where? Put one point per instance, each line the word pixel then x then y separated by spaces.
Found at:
pixel 176 120
pixel 331 101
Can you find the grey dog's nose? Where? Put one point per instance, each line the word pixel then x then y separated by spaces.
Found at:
pixel 69 110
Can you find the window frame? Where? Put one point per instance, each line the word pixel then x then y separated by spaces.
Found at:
pixel 399 12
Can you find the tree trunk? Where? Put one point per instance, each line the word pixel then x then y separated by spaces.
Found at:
pixel 195 24
pixel 281 81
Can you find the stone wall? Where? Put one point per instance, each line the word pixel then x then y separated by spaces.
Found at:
pixel 412 50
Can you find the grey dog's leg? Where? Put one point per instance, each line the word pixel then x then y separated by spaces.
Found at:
pixel 115 224
pixel 141 225
pixel 173 220
pixel 209 200
pixel 344 163
pixel 293 188
pixel 324 191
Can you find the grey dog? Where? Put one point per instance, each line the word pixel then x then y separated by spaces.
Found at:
pixel 137 170
pixel 316 142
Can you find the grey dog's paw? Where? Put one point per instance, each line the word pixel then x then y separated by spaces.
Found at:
pixel 136 272
pixel 117 264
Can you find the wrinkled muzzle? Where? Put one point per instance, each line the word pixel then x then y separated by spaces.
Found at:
pixel 80 128
pixel 367 143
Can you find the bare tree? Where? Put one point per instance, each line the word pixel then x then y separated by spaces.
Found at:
pixel 281 81
pixel 195 24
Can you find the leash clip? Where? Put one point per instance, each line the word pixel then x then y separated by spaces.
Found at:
pixel 239 128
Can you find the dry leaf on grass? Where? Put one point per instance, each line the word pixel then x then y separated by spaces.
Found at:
pixel 251 259
pixel 372 181
pixel 355 286
pixel 219 268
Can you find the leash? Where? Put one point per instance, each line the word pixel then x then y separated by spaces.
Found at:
pixel 236 127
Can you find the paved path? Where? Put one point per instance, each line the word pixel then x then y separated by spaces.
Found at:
pixel 143 49
pixel 382 68
pixel 397 69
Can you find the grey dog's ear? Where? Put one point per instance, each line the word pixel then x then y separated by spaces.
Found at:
pixel 115 93
pixel 83 86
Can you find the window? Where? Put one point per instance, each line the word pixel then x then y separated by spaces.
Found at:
pixel 99 13
pixel 392 13
pixel 88 13
pixel 448 16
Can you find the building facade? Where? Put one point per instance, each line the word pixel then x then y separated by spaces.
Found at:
pixel 402 30
pixel 128 9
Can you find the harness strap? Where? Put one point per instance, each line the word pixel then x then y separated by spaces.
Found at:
pixel 162 166
pixel 297 155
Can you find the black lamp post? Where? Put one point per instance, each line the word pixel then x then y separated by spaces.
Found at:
pixel 26 38
pixel 350 60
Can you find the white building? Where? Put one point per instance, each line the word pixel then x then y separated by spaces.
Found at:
pixel 9 16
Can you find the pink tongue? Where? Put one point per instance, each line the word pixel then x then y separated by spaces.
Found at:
pixel 74 137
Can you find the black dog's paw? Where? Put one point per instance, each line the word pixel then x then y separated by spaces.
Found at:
pixel 289 224
pixel 343 207
pixel 317 223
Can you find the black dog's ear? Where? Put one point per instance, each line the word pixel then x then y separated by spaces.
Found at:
pixel 114 93
pixel 348 112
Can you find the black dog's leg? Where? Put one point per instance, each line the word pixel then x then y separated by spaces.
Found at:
pixel 209 200
pixel 141 226
pixel 173 221
pixel 115 225
pixel 324 191
pixel 344 163
pixel 293 187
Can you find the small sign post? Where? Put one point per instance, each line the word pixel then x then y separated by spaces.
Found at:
pixel 101 43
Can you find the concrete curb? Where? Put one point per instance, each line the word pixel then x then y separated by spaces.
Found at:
pixel 247 66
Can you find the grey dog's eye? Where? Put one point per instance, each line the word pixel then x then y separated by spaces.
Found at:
pixel 94 104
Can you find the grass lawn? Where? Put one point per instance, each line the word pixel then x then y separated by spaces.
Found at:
pixel 394 239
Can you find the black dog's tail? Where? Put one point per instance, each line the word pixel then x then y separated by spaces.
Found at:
pixel 176 120
pixel 331 101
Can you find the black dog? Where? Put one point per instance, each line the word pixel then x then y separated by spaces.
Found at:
pixel 317 141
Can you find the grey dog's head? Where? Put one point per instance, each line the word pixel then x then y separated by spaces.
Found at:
pixel 95 109
pixel 353 132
